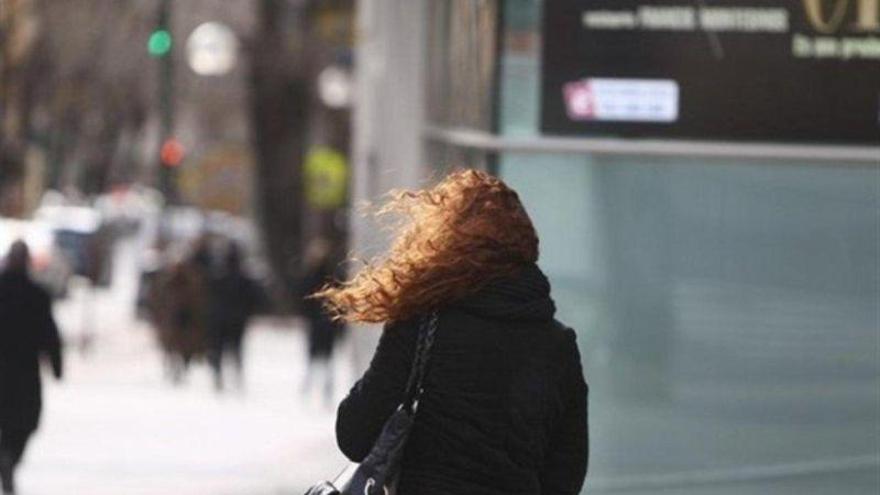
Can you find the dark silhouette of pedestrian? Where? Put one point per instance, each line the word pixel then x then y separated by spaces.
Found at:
pixel 28 332
pixel 323 331
pixel 178 313
pixel 234 298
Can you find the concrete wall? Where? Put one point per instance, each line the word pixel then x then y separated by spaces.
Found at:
pixel 387 146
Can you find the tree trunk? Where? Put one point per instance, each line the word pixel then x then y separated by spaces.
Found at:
pixel 280 97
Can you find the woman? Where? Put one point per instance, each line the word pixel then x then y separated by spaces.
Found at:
pixel 233 299
pixel 504 408
pixel 321 265
pixel 179 315
pixel 28 332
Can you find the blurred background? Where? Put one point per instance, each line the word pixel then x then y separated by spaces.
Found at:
pixel 704 177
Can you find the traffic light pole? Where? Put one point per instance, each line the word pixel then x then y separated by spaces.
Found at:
pixel 167 174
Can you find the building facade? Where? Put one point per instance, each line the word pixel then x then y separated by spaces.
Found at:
pixel 725 291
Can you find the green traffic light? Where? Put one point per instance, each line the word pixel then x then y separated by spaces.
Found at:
pixel 160 43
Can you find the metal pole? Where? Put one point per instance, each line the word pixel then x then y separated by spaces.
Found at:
pixel 167 175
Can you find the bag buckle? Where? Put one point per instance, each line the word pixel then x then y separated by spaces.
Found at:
pixel 369 486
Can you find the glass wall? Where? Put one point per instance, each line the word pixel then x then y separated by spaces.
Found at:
pixel 462 50
pixel 462 46
pixel 728 311
pixel 727 318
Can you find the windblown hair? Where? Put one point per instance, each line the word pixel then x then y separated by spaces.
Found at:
pixel 448 242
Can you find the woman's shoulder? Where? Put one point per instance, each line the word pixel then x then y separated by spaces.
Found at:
pixel 22 287
pixel 539 335
pixel 569 356
pixel 402 328
pixel 400 334
pixel 559 343
pixel 564 335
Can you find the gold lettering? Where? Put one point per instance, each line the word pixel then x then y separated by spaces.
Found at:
pixel 868 19
pixel 816 15
pixel 867 15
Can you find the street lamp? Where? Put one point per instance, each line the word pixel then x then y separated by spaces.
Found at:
pixel 211 49
pixel 160 45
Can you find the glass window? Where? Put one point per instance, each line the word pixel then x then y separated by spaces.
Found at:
pixel 461 62
pixel 728 311
pixel 519 68
pixel 727 316
pixel 445 157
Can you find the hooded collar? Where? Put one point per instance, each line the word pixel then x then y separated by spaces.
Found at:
pixel 522 295
pixel 15 275
pixel 12 281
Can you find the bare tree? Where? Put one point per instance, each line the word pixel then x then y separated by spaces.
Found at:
pixel 99 90
pixel 280 107
pixel 72 83
pixel 19 78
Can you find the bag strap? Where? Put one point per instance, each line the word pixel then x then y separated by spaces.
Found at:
pixel 414 389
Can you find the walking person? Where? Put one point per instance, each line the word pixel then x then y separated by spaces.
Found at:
pixel 28 332
pixel 323 331
pixel 234 298
pixel 503 404
pixel 178 313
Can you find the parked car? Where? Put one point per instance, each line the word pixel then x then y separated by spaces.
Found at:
pixel 80 233
pixel 125 208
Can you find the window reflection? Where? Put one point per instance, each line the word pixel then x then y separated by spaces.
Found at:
pixel 727 315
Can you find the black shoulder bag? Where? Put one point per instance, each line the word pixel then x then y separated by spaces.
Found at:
pixel 377 474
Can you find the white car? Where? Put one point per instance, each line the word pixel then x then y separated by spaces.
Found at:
pixel 81 234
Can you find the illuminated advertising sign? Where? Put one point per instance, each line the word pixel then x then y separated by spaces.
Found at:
pixel 797 71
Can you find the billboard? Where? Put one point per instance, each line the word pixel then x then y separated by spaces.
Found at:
pixel 795 71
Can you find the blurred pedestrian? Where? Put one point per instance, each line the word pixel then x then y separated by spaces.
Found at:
pixel 203 258
pixel 179 307
pixel 234 298
pixel 28 332
pixel 502 405
pixel 323 331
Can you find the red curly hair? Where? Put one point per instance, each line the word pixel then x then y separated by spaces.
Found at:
pixel 449 241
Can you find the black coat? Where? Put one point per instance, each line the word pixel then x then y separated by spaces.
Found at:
pixel 505 404
pixel 323 331
pixel 234 298
pixel 27 332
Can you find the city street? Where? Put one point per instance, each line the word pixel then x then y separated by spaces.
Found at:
pixel 115 426
pixel 693 188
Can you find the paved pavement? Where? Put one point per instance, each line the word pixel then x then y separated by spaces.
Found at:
pixel 114 426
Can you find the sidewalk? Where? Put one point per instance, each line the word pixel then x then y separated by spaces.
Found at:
pixel 114 426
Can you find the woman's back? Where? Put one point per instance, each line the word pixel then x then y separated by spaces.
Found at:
pixel 504 407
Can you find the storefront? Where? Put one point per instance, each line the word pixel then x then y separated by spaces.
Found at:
pixel 719 261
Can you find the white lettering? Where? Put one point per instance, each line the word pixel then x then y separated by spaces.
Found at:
pixel 801 46
pixel 827 47
pixel 866 48
pixel 609 19
pixel 668 18
pixel 744 19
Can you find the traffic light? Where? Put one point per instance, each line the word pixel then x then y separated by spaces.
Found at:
pixel 171 154
pixel 159 43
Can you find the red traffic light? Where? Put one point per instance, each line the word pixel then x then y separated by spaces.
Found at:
pixel 171 153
